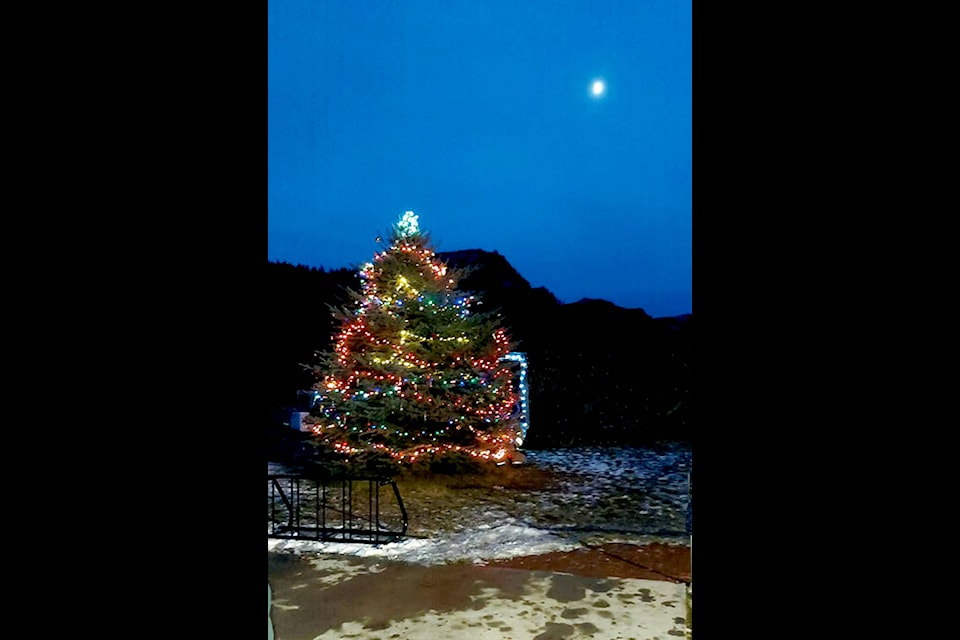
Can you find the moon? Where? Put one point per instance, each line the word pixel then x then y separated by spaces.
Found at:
pixel 597 88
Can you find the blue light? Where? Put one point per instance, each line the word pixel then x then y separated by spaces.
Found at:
pixel 524 388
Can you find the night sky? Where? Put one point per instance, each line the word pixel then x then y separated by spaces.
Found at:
pixel 480 116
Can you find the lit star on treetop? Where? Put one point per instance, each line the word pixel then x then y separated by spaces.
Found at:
pixel 408 225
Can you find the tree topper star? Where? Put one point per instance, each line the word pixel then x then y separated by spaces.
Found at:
pixel 408 225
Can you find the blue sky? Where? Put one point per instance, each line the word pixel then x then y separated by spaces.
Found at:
pixel 479 116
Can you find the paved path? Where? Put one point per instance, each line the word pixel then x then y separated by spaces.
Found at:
pixel 325 597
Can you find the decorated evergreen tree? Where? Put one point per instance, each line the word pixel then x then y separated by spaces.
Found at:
pixel 416 371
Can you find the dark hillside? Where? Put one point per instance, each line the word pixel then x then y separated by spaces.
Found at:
pixel 598 373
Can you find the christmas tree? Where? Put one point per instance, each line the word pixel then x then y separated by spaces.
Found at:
pixel 417 372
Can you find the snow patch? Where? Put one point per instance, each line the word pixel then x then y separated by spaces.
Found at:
pixel 609 494
pixel 507 540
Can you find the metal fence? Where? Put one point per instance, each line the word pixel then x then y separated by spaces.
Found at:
pixel 350 509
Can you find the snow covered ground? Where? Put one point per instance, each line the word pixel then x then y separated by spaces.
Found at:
pixel 605 494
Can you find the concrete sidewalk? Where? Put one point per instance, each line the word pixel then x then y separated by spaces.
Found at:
pixel 326 597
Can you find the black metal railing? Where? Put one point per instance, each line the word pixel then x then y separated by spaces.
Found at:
pixel 349 509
